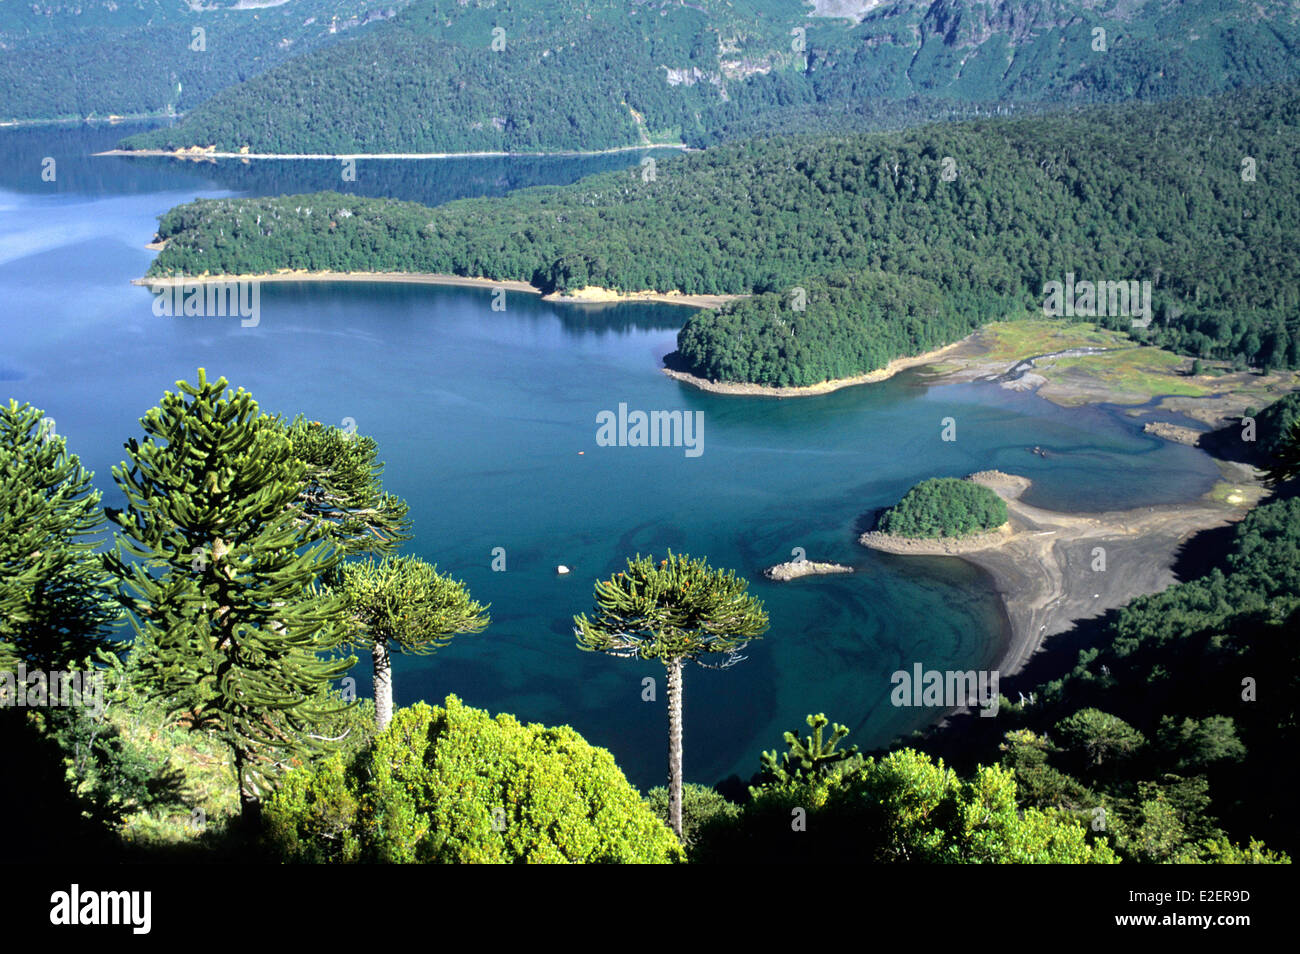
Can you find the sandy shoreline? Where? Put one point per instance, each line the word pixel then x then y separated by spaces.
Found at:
pixel 812 390
pixel 585 296
pixel 1042 562
pixel 198 153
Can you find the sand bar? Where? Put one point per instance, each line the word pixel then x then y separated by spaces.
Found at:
pixel 812 390
pixel 587 296
pixel 1043 562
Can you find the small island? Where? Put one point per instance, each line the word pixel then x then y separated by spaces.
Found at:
pixel 944 507
pixel 1050 566
pixel 784 572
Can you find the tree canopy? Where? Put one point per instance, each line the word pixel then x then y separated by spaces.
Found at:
pixel 56 601
pixel 454 784
pixel 217 566
pixel 944 507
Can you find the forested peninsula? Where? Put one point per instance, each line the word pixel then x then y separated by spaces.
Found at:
pixel 864 248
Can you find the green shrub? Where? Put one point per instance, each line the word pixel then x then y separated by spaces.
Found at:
pixel 904 808
pixel 455 784
pixel 701 807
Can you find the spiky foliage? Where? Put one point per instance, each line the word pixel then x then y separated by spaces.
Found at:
pixel 401 603
pixel 55 599
pixel 343 488
pixel 674 610
pixel 217 569
pixel 1286 457
pixel 809 757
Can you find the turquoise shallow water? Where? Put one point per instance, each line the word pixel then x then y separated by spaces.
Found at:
pixel 487 421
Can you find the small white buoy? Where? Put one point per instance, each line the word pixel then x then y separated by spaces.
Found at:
pixel 561 569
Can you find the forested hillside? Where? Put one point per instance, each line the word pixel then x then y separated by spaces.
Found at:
pixel 1178 721
pixel 860 249
pixel 96 58
pixel 523 75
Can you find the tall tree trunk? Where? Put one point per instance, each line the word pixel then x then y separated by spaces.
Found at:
pixel 383 684
pixel 250 806
pixel 675 745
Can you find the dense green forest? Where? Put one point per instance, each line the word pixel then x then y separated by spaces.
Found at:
pixel 1162 744
pixel 944 507
pixel 1205 674
pixel 97 58
pixel 603 73
pixel 1273 425
pixel 863 248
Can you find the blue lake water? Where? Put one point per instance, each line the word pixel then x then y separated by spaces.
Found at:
pixel 487 423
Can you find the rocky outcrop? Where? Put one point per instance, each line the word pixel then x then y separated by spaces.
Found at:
pixel 783 572
pixel 1173 432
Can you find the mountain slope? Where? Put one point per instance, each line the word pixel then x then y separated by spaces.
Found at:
pixel 589 74
pixel 95 58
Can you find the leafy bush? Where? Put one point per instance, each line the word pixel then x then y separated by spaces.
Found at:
pixel 455 784
pixel 701 807
pixel 903 808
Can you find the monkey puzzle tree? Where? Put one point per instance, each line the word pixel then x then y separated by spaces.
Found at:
pixel 342 487
pixel 220 580
pixel 811 757
pixel 673 610
pixel 1285 462
pixel 406 602
pixel 55 599
pixel 1095 736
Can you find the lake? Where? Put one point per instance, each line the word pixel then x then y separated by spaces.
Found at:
pixel 487 422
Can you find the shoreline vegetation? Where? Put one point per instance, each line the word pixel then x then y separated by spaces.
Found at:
pixel 1067 363
pixel 210 153
pixel 672 368
pixel 892 289
pixel 1046 565
pixel 590 295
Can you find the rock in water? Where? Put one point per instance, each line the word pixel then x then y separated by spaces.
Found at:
pixel 797 568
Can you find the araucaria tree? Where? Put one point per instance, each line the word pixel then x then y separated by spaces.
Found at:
pixel 673 610
pixel 1285 463
pixel 343 487
pixel 55 599
pixel 402 603
pixel 217 569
